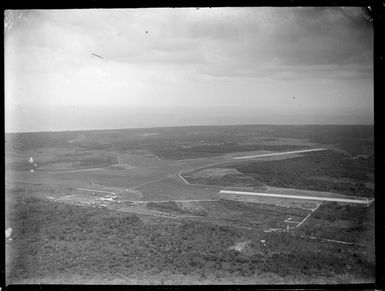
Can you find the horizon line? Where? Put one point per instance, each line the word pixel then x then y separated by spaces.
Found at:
pixel 208 125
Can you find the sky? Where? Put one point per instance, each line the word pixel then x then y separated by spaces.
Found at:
pixel 186 66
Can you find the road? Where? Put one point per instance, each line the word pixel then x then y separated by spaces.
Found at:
pixel 331 240
pixel 303 220
pixel 76 170
pixel 92 190
pixel 173 200
pixel 183 179
pixel 366 201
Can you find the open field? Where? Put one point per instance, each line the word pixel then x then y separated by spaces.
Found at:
pixel 221 177
pixel 236 213
pixel 174 188
pixel 165 202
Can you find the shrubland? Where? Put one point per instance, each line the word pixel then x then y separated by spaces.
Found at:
pixel 52 240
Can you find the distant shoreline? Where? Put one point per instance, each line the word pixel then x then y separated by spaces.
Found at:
pixel 188 126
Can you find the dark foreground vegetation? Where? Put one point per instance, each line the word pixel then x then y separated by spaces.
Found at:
pixel 344 222
pixel 54 240
pixel 323 171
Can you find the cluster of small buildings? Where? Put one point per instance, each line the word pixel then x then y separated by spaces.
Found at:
pixel 133 203
pixel 31 161
pixel 92 203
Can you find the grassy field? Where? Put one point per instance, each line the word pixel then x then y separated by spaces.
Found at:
pixel 174 188
pixel 235 213
pixel 221 177
pixel 180 153
pixel 58 159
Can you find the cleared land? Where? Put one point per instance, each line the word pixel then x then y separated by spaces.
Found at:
pixel 220 177
pixel 235 213
pixel 315 198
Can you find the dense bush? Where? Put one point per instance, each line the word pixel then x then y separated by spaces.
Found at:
pixel 51 239
pixel 349 223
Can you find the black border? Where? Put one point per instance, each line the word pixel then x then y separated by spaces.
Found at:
pixel 68 4
pixel 379 145
pixel 377 15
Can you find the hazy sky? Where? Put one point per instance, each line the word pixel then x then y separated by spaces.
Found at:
pixel 188 66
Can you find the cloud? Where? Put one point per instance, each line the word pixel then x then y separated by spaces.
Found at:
pixel 186 57
pixel 319 39
pixel 235 41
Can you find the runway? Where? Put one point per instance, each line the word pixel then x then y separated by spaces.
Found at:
pixel 318 198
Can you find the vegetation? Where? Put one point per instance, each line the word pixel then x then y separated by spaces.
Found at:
pixel 235 213
pixel 344 222
pixel 19 166
pixel 356 139
pixel 173 207
pixel 255 215
pixel 52 239
pixel 324 171
pixel 94 161
pixel 218 177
